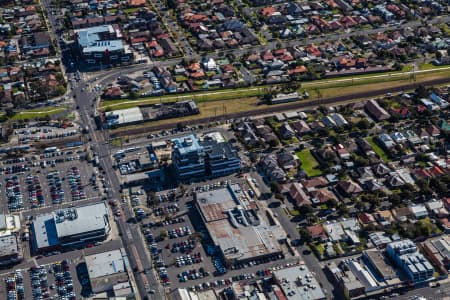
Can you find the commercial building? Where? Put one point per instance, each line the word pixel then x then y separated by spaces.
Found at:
pixel 376 261
pixel 221 159
pixel 235 226
pixel 438 251
pixel 188 157
pixel 346 281
pixel 107 269
pixel 10 251
pixel 284 98
pixel 123 116
pixel 364 276
pixel 102 45
pixel 405 255
pixel 193 158
pixel 298 283
pixel 9 224
pixel 184 294
pixel 70 227
pixel 150 178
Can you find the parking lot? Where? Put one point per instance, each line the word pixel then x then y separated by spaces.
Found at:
pixel 45 133
pixel 57 280
pixel 179 244
pixel 45 180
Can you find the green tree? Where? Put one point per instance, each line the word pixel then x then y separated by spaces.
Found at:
pixel 343 209
pixel 273 143
pixel 305 235
pixel 151 199
pixel 364 124
pixel 163 233
pixel 305 209
pixel 331 203
pixel 10 113
pixel 421 91
pixel 275 187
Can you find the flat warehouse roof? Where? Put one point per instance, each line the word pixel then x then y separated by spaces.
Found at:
pixel 250 241
pixel 104 264
pixel 8 245
pixel 239 231
pixel 124 116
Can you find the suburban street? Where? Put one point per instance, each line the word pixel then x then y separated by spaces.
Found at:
pixel 130 233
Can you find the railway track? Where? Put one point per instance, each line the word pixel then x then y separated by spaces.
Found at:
pixel 278 108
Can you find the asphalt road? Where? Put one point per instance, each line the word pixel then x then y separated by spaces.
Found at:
pixel 130 233
pixel 291 229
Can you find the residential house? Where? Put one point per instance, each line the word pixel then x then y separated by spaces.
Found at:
pixel 298 195
pixel 394 181
pixel 366 218
pixel 339 120
pixel 301 127
pixel 372 185
pixel 322 195
pixel 379 239
pixel 342 152
pixel 419 211
pixel 376 111
pixel 386 141
pixel 365 173
pixel 246 131
pixel 266 133
pixel 271 169
pixel 433 131
pixel 381 169
pixel 401 214
pixel 364 147
pixel 317 232
pixel 287 160
pixel 348 188
pixel 384 217
pixel 314 183
pixel 286 132
pixel 437 209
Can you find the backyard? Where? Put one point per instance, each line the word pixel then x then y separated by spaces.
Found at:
pixel 380 152
pixel 308 163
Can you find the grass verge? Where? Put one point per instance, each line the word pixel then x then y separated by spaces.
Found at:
pixel 37 113
pixel 326 87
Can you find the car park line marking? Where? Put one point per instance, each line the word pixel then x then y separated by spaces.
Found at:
pixel 60 206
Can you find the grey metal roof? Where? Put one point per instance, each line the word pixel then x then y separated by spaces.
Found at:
pixel 89 218
pixel 49 228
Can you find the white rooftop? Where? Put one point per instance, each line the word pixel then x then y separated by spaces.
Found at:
pixel 124 116
pixel 105 264
pixel 299 283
